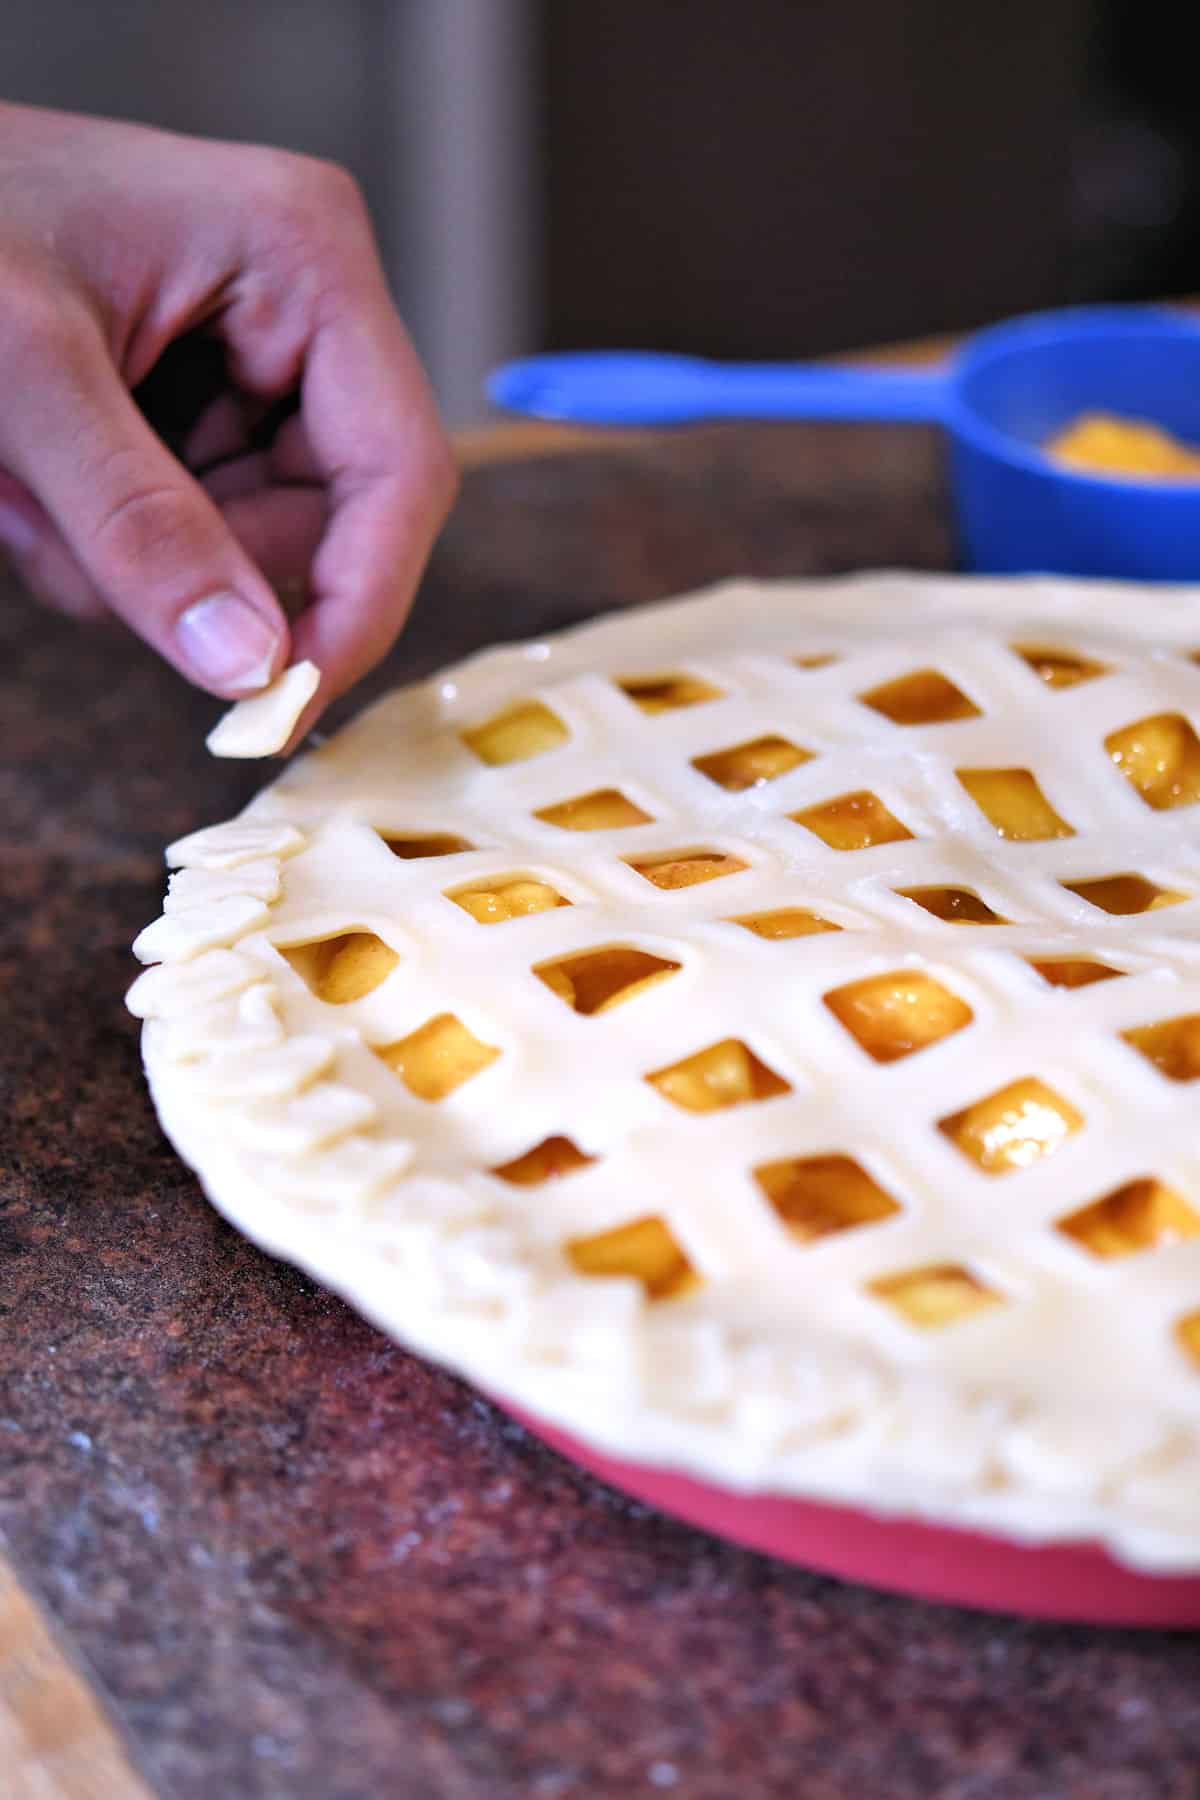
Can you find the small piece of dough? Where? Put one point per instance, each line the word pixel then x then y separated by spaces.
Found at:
pixel 262 725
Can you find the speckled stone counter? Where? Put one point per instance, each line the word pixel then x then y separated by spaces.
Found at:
pixel 294 1560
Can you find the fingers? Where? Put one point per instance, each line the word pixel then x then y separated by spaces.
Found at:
pixel 367 429
pixel 372 428
pixel 42 561
pixel 146 537
pixel 280 528
pixel 293 290
pixel 217 435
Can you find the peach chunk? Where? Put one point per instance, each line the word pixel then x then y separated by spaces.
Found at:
pixel 895 1014
pixel 1187 1333
pixel 751 764
pixel 818 1196
pixel 506 900
pixel 344 968
pixel 553 1158
pixel 594 981
pixel 1114 444
pixel 954 906
pixel 1014 1127
pixel 1123 895
pixel 1173 1046
pixel 514 735
pixel 926 697
pixel 664 693
pixel 686 868
pixel 605 810
pixel 434 843
pixel 724 1074
pixel 1059 668
pixel 852 822
pixel 1160 757
pixel 787 922
pixel 1072 971
pixel 645 1249
pixel 1140 1215
pixel 933 1297
pixel 1012 801
pixel 438 1057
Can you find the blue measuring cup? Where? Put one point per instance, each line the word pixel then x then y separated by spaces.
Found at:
pixel 1008 389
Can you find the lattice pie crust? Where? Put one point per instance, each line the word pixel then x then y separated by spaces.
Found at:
pixel 759 1034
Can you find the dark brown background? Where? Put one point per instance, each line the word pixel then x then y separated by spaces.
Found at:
pixel 775 179
pixel 298 1562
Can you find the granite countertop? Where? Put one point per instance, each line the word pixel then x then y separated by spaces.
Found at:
pixel 294 1560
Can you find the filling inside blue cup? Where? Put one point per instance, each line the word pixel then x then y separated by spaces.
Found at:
pixel 1030 380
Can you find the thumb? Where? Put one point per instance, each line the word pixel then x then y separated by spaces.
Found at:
pixel 147 536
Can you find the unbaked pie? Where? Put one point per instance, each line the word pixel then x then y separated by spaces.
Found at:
pixel 759 1035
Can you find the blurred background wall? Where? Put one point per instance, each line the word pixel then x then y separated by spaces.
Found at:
pixel 765 178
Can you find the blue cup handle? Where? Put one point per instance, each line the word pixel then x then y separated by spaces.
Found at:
pixel 619 387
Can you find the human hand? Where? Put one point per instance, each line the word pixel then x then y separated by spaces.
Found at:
pixel 310 459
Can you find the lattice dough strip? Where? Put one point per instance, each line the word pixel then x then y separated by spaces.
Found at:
pixel 790 1068
pixel 1101 999
pixel 830 1062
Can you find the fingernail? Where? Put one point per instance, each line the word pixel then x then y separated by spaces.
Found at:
pixel 228 643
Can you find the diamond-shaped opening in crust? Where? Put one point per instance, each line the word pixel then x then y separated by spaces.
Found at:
pixel 1059 668
pixel 645 1249
pixel 432 843
pixel 785 922
pixel 1187 1333
pixel 938 1295
pixel 594 981
pixel 666 693
pixel 504 897
pixel 1071 971
pixel 1173 1046
pixel 895 1014
pixel 1160 758
pixel 852 822
pixel 685 868
pixel 550 1160
pixel 519 732
pixel 1012 802
pixel 1141 1215
pixel 342 968
pixel 1014 1127
pixel 723 1074
pixel 926 697
pixel 953 905
pixel 606 809
pixel 437 1057
pixel 753 763
pixel 816 659
pixel 1124 894
pixel 818 1196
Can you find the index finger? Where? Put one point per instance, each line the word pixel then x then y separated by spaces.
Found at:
pixel 373 431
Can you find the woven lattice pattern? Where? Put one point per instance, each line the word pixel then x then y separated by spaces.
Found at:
pixel 801 980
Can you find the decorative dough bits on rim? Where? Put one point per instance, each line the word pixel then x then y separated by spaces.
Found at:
pixel 758 1035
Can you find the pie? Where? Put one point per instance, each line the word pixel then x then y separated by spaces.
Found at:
pixel 756 1035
